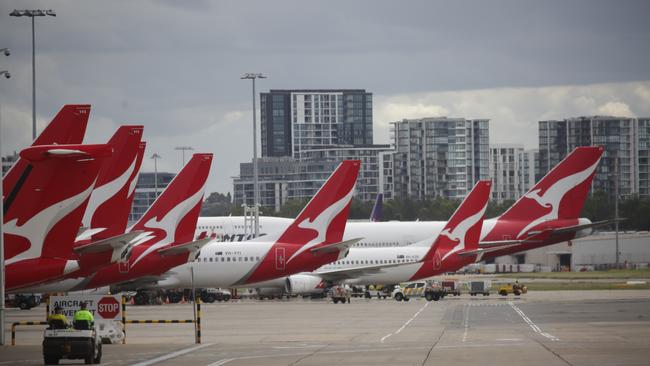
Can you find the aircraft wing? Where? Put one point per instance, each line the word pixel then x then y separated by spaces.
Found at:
pixel 107 244
pixel 335 247
pixel 348 273
pixel 184 248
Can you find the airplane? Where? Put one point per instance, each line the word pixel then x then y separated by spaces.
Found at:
pixel 547 214
pixel 165 235
pixel 104 241
pixel 43 210
pixel 314 238
pixel 67 127
pixel 455 247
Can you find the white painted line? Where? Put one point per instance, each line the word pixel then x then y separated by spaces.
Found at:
pixel 532 325
pixel 405 324
pixel 393 349
pixel 171 355
pixel 466 323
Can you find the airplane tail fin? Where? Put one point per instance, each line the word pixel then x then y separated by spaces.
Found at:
pixel 67 127
pixel 110 202
pixel 562 192
pixel 463 229
pixel 377 210
pixel 323 219
pixel 44 210
pixel 172 217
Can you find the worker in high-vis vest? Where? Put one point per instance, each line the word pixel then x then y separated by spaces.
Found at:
pixel 83 319
pixel 57 320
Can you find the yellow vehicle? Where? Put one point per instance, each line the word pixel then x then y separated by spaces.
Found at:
pixel 512 288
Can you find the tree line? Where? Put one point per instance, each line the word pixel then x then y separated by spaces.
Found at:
pixel 597 207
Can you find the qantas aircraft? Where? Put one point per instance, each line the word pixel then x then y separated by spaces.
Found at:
pixel 165 239
pixel 313 239
pixel 104 241
pixel 67 127
pixel 44 208
pixel 547 214
pixel 455 247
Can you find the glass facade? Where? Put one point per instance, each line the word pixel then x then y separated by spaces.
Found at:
pixel 297 120
pixel 439 157
pixel 624 140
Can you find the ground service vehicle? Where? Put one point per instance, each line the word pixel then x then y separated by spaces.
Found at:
pixel 512 288
pixel 340 294
pixel 451 287
pixel 71 344
pixel 429 290
pixel 479 287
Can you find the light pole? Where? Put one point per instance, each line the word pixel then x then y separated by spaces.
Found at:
pixel 32 14
pixel 155 158
pixel 183 149
pixel 256 196
pixel 2 244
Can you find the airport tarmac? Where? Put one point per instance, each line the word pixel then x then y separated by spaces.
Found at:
pixel 540 328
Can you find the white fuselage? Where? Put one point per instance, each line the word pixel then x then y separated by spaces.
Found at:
pixel 407 257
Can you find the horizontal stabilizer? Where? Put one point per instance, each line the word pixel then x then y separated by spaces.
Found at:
pixel 335 247
pixel 184 248
pixel 586 226
pixel 118 241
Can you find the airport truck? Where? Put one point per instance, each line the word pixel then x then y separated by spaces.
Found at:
pixel 431 291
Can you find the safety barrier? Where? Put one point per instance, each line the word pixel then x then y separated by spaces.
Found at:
pixel 14 325
pixel 197 337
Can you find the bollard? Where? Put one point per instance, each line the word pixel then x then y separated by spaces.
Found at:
pixel 124 318
pixel 198 321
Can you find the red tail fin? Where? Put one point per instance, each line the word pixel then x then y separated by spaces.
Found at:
pixel 172 217
pixel 560 195
pixel 323 220
pixel 111 199
pixel 463 229
pixel 42 215
pixel 67 127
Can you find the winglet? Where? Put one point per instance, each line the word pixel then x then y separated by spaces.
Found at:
pixel 377 213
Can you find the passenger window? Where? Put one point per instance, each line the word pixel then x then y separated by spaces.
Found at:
pixel 210 259
pixel 228 260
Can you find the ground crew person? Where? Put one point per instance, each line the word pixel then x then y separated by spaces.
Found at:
pixel 57 320
pixel 83 316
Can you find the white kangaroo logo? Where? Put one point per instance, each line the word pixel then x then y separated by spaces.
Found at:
pixel 552 197
pixel 458 233
pixel 322 222
pixel 168 224
pixel 36 229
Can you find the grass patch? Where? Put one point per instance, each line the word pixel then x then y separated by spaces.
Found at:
pixel 573 286
pixel 594 275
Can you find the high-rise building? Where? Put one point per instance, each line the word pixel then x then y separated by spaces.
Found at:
pixel 439 157
pixel 145 192
pixel 624 139
pixel 512 170
pixel 303 119
pixel 284 178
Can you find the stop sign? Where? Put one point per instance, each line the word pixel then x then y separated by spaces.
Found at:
pixel 108 307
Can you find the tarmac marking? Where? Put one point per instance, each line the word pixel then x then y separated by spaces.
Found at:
pixel 405 324
pixel 392 349
pixel 171 355
pixel 535 328
pixel 466 323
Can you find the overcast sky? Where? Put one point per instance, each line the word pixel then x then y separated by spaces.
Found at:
pixel 174 66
